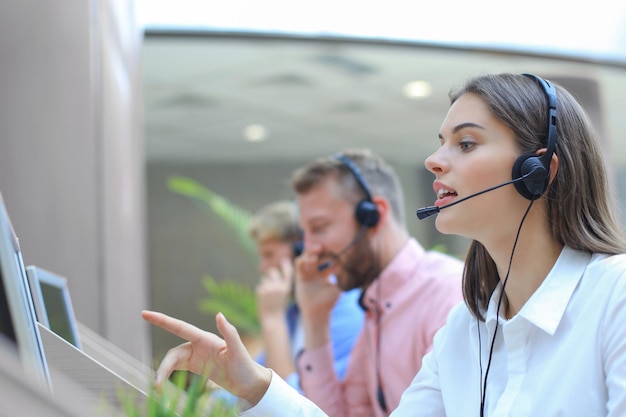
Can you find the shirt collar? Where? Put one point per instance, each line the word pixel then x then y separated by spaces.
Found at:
pixel 547 304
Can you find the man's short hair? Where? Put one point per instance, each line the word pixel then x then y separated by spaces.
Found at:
pixel 378 175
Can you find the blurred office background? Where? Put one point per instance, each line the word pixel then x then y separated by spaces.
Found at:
pixel 102 102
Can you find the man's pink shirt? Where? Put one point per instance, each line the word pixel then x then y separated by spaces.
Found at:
pixel 414 294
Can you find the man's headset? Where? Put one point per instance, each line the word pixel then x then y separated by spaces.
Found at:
pixel 297 247
pixel 365 211
pixel 367 215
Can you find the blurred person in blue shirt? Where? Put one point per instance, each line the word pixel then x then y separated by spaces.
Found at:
pixel 276 231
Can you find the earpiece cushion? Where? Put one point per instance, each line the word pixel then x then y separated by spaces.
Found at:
pixel 367 214
pixel 298 248
pixel 536 183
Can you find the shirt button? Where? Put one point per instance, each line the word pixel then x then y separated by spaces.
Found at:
pixel 309 368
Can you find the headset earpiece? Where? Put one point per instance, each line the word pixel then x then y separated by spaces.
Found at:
pixel 536 169
pixel 536 181
pixel 297 248
pixel 366 212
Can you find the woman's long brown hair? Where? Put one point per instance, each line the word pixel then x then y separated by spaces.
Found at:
pixel 582 210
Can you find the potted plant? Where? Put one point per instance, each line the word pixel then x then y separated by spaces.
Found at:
pixel 233 298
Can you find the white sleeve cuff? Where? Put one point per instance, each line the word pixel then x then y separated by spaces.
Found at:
pixel 281 400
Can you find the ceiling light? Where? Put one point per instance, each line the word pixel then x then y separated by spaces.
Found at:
pixel 255 133
pixel 416 90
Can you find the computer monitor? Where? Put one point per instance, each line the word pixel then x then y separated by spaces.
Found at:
pixel 53 305
pixel 18 322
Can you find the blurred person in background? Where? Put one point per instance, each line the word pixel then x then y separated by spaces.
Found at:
pixel 279 239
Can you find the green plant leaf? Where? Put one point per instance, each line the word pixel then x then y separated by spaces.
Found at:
pixel 236 301
pixel 192 398
pixel 233 216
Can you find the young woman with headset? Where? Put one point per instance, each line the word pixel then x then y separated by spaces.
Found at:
pixel 541 331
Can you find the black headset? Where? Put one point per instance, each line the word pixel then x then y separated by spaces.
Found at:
pixel 365 212
pixel 538 166
pixel 297 247
pixel 367 215
pixel 296 234
pixel 538 170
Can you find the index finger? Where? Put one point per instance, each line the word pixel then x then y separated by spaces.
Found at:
pixel 178 327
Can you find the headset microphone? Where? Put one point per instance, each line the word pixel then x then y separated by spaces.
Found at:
pixel 325 265
pixel 321 267
pixel 536 174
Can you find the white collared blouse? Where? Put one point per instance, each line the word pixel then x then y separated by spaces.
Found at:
pixel 562 355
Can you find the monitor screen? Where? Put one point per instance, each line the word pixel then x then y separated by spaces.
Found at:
pixel 19 324
pixel 53 304
pixel 6 325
